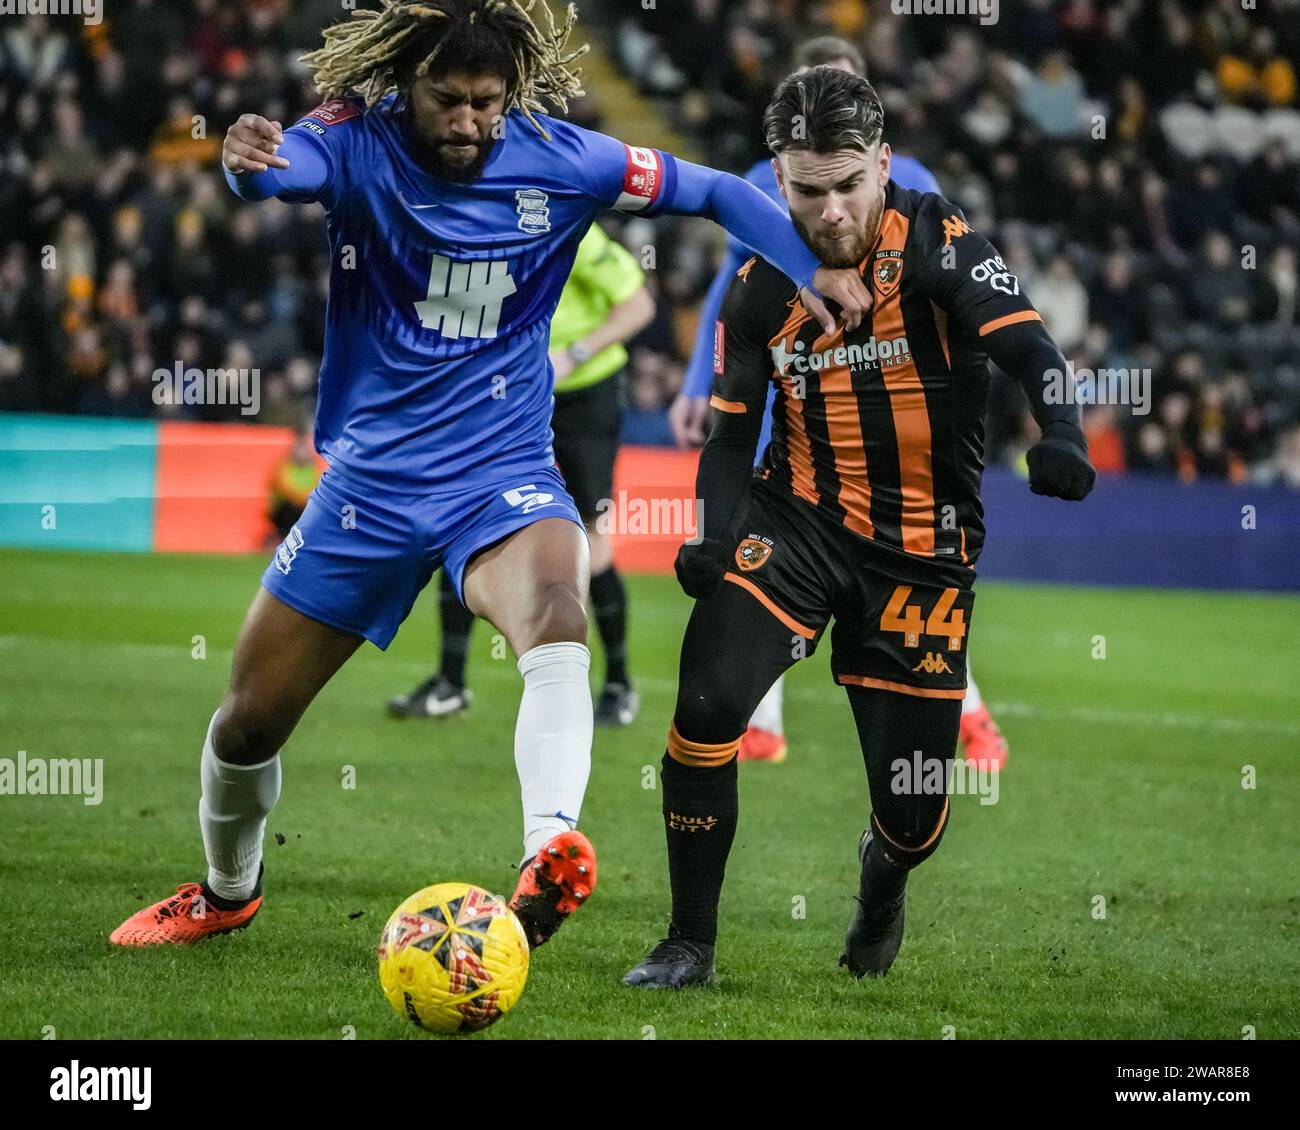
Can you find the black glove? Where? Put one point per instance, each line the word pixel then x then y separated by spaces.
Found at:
pixel 1058 463
pixel 700 567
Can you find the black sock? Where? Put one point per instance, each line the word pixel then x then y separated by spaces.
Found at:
pixel 701 807
pixel 884 878
pixel 457 620
pixel 609 602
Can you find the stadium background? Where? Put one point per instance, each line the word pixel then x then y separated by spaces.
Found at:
pixel 1131 246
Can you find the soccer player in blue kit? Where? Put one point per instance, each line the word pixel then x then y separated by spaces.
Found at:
pixel 455 208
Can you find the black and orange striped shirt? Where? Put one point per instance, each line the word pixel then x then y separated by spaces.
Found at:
pixel 882 428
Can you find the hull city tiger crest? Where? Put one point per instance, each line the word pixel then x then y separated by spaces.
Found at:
pixel 751 554
pixel 886 271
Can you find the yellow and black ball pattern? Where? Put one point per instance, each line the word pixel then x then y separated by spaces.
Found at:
pixel 453 958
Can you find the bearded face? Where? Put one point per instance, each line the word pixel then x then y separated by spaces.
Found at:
pixel 836 199
pixel 453 117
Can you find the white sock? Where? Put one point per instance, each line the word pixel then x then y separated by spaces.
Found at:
pixel 233 809
pixel 553 739
pixel 767 715
pixel 973 700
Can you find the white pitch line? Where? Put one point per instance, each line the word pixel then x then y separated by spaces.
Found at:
pixel 1103 716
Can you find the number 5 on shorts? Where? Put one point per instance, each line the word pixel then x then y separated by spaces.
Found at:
pixel 528 496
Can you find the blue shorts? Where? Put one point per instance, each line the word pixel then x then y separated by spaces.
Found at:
pixel 358 558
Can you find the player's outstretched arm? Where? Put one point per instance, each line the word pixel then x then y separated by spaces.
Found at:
pixel 969 279
pixel 260 160
pixel 1058 464
pixel 650 181
pixel 753 218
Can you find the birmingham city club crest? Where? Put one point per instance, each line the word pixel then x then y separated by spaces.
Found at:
pixel 534 215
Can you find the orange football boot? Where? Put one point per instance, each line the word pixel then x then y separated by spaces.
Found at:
pixel 762 745
pixel 559 879
pixel 982 740
pixel 188 916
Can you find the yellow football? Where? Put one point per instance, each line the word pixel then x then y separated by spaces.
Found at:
pixel 453 958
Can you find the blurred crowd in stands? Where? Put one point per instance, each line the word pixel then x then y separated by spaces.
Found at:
pixel 1136 161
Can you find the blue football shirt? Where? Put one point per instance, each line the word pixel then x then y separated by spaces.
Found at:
pixel 440 294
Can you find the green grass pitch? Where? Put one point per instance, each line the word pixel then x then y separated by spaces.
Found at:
pixel 1125 782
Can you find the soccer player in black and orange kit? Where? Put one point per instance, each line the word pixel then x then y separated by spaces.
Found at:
pixel 865 509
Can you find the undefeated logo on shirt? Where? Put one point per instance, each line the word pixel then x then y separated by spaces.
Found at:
pixel 719 347
pixel 464 299
pixel 335 110
pixel 643 179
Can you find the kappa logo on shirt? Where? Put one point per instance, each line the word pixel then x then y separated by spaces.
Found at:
pixel 954 227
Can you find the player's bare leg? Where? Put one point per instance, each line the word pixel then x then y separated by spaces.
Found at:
pixel 533 588
pixel 282 660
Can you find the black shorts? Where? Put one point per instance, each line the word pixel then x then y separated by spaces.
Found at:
pixel 901 622
pixel 587 424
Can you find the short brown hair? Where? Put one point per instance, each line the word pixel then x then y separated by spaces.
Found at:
pixel 823 109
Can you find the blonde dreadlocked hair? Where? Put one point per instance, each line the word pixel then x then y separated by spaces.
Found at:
pixel 373 52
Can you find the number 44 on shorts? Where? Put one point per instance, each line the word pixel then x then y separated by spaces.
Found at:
pixel 899 616
pixel 529 497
